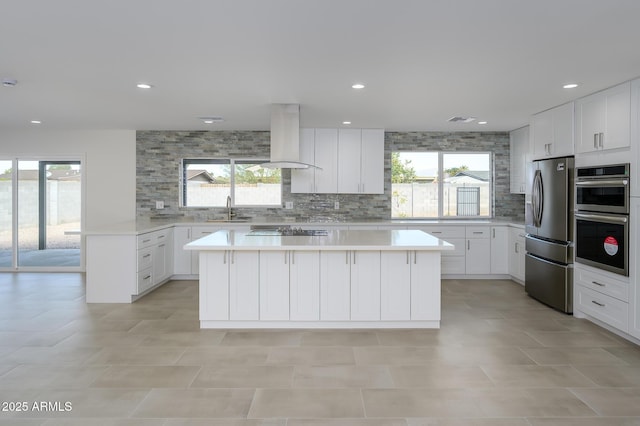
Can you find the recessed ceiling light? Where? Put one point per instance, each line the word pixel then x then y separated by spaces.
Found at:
pixel 358 86
pixel 346 122
pixel 9 82
pixel 36 122
pixel 570 86
pixel 211 120
pixel 482 122
pixel 144 86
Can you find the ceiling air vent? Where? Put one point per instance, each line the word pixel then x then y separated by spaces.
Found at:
pixel 458 119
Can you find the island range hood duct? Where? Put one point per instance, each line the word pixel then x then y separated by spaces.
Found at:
pixel 285 138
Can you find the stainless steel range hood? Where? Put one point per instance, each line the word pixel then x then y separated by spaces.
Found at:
pixel 285 138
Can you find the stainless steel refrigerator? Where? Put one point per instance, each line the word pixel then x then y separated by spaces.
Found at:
pixel 549 227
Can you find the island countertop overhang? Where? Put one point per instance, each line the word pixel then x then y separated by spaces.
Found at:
pixel 392 240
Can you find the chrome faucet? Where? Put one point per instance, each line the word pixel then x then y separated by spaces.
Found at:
pixel 229 213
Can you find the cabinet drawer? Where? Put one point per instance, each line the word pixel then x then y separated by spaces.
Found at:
pixel 145 258
pixel 603 284
pixel 605 308
pixel 453 265
pixel 146 240
pixel 150 238
pixel 145 280
pixel 477 231
pixel 202 231
pixel 443 232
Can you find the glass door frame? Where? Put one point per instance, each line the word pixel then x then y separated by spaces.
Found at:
pixel 42 162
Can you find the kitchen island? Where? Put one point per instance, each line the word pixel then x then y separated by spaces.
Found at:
pixel 345 279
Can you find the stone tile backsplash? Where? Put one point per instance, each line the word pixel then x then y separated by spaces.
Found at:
pixel 158 173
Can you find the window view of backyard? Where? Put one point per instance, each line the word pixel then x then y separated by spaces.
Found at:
pixel 439 184
pixel 208 183
pixel 49 213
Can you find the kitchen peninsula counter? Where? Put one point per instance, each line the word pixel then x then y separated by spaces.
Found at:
pixel 346 279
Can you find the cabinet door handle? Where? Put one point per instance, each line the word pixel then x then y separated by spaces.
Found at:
pixel 595 140
pixel 161 245
pixel 160 236
pixel 598 303
pixel 354 257
pixel 224 258
pixel 415 257
pixel 597 283
pixel 146 255
pixel 407 257
pixel 494 232
pixel 479 233
pixel 145 241
pixel 293 257
pixel 517 248
pixel 601 140
pixel 468 244
pixel 233 256
pixel 436 232
pixel 189 234
pixel 346 259
pixel 362 188
pixel 147 277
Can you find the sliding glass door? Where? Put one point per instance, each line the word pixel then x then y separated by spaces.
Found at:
pixel 6 213
pixel 43 231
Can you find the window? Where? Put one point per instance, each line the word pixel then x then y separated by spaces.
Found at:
pixel 208 183
pixel 441 184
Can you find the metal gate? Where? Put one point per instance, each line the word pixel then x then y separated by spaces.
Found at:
pixel 468 201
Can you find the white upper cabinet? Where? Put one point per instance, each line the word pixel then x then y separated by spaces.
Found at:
pixel 518 149
pixel 351 162
pixel 603 120
pixel 349 153
pixel 552 132
pixel 326 155
pixel 320 148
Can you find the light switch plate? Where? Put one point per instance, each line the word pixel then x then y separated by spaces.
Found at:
pixel 159 205
pixel 288 205
pixel 336 205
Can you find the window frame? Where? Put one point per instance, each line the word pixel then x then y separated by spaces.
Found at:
pixel 440 178
pixel 231 162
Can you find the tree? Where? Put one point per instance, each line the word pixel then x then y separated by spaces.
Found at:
pixel 455 170
pixel 401 171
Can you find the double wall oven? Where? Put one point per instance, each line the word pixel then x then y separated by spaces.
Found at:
pixel 602 217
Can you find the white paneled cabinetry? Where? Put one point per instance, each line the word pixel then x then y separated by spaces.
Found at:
pixel 350 161
pixel 154 259
pixel 552 132
pixel 478 256
pixel 603 120
pixel 499 250
pixel 517 253
pixel 518 149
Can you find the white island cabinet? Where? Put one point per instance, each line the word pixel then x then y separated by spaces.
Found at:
pixel 347 279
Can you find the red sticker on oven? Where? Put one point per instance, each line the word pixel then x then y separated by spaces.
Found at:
pixel 611 246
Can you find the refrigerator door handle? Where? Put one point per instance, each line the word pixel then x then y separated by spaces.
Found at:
pixel 537 196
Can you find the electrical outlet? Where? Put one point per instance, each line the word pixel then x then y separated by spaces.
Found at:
pixel 159 205
pixel 336 205
pixel 288 205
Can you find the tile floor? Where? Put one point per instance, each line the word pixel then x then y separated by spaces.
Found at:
pixel 500 359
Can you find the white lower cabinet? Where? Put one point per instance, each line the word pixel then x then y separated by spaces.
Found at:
pixel 452 261
pixel 365 285
pixel 154 259
pixel 182 257
pixel 244 281
pixel 478 254
pixel 406 292
pixel 289 285
pixel 214 294
pixel 517 253
pixel 335 285
pixel 500 250
pixel 304 279
pixel 602 296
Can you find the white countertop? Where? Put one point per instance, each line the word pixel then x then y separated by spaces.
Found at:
pixel 140 226
pixel 336 240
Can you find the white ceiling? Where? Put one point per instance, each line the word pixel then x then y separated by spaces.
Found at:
pixel 77 62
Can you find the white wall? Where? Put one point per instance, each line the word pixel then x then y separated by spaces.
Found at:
pixel 109 160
